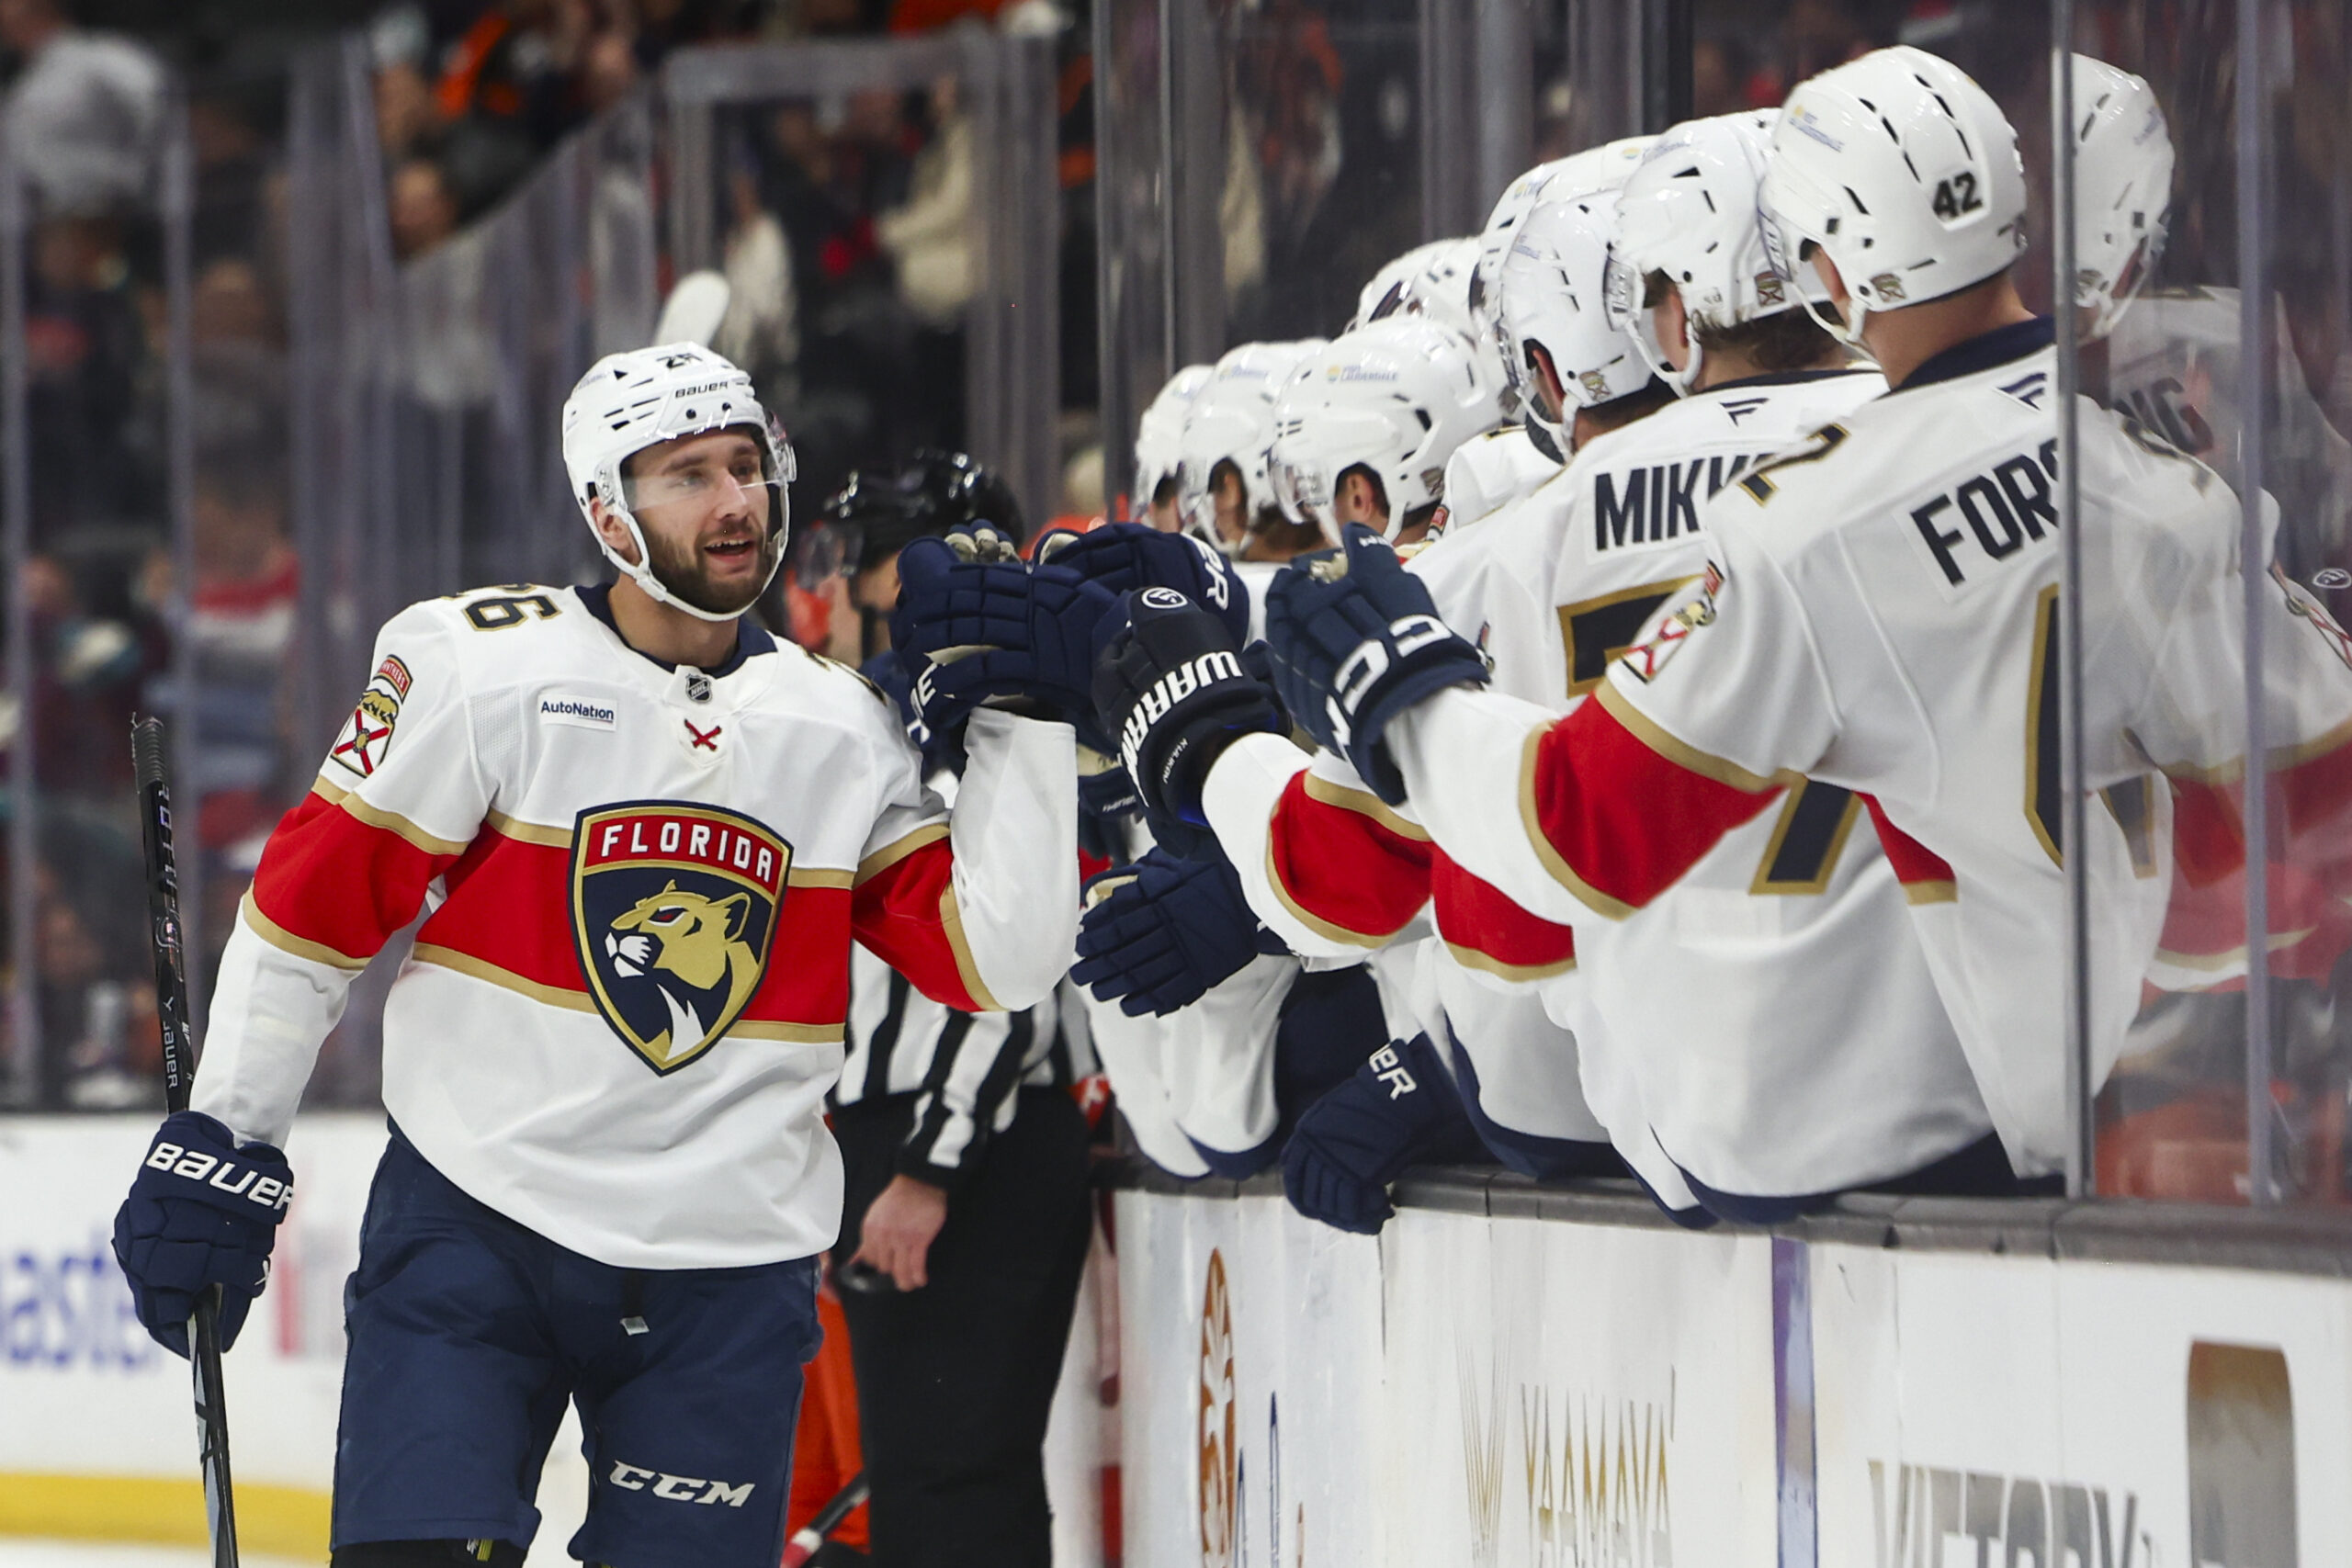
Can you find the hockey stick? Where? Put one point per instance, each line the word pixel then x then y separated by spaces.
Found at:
pixel 810 1536
pixel 179 1073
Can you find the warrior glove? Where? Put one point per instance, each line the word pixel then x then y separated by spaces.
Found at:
pixel 1356 640
pixel 202 1212
pixel 1174 691
pixel 1161 933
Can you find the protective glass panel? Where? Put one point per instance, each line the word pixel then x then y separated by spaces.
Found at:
pixel 2233 1081
pixel 93 244
pixel 878 213
pixel 1322 172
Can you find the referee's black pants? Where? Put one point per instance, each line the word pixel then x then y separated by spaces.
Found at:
pixel 955 1380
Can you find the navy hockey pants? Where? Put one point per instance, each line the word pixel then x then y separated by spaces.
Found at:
pixel 469 1333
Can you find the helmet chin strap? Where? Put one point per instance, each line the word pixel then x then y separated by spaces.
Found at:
pixel 1831 319
pixel 641 571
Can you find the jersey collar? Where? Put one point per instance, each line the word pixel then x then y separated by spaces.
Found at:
pixel 1788 379
pixel 751 638
pixel 1984 351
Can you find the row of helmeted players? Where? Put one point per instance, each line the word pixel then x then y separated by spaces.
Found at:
pixel 1779 911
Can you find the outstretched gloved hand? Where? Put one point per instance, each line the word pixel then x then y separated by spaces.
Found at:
pixel 1356 640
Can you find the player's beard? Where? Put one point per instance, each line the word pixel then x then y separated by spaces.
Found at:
pixel 685 571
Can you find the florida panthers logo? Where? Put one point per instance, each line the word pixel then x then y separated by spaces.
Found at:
pixel 674 909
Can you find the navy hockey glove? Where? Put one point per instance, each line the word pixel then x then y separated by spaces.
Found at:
pixel 1400 1109
pixel 1356 640
pixel 202 1212
pixel 1157 935
pixel 1173 691
pixel 973 630
pixel 1124 557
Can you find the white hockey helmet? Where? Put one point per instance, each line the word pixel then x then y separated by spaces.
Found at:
pixel 1689 211
pixel 1905 172
pixel 1159 434
pixel 1396 397
pixel 2123 163
pixel 642 397
pixel 1440 291
pixel 1388 290
pixel 1232 420
pixel 1552 287
pixel 1595 168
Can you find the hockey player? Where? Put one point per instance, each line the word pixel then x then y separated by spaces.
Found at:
pixel 1363 430
pixel 1229 498
pixel 1505 464
pixel 1159 437
pixel 1878 613
pixel 643 835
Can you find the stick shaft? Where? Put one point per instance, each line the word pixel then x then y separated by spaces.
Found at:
pixel 179 1078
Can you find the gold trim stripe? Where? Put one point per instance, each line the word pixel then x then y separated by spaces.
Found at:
pixel 1930 893
pixel 2279 941
pixel 1363 803
pixel 561 839
pixel 1562 872
pixel 1681 753
pixel 790 1033
pixel 967 968
pixel 1313 922
pixel 1471 958
pixel 277 1521
pixel 278 937
pixel 390 821
pixel 892 853
pixel 2278 758
pixel 580 1002
pixel 529 832
pixel 482 969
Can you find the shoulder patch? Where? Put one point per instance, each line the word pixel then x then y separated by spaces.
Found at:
pixel 1645 659
pixel 366 734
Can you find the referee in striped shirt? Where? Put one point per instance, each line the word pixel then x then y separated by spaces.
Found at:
pixel 966 1216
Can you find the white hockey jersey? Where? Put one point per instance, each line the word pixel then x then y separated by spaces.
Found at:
pixel 625 1005
pixel 1879 614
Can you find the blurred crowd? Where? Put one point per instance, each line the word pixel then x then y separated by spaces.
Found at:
pixel 470 95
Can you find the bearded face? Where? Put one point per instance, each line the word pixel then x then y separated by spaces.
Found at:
pixel 704 506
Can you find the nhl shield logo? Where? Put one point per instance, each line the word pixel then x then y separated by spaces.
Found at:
pixel 673 907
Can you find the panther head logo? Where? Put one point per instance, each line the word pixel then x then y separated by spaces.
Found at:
pixel 695 938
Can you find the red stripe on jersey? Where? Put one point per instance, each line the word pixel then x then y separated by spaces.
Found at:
pixel 1341 868
pixel 1627 820
pixel 327 877
pixel 1915 864
pixel 510 906
pixel 1477 918
pixel 2208 833
pixel 896 913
